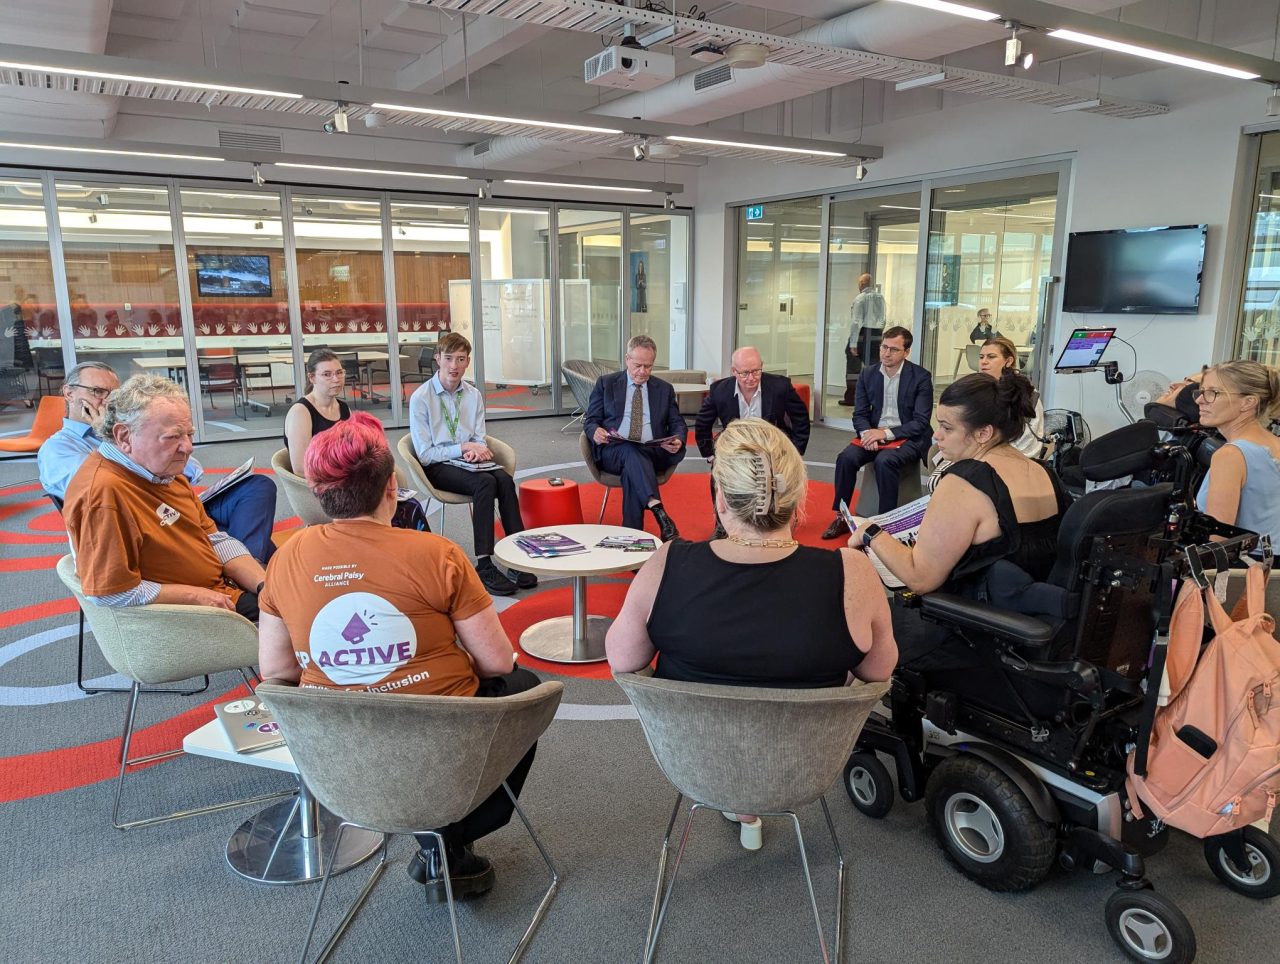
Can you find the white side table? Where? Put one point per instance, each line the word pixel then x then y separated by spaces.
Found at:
pixel 578 638
pixel 287 843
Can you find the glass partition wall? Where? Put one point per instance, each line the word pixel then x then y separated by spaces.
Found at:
pixel 226 288
pixel 928 255
pixel 31 363
pixel 1259 319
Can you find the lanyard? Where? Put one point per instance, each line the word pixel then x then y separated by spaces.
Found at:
pixel 452 422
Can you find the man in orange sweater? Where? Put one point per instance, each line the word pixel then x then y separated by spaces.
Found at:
pixel 140 533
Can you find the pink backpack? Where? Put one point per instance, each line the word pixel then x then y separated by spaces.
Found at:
pixel 1214 759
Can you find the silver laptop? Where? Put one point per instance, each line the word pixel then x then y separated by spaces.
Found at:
pixel 249 725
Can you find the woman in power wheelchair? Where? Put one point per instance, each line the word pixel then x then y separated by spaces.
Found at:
pixel 1018 743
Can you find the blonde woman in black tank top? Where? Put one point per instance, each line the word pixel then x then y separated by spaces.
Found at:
pixel 327 379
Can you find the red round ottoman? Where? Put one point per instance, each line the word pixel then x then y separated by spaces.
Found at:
pixel 544 504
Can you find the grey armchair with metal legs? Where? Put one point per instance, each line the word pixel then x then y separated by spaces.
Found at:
pixel 424 762
pixel 503 454
pixel 163 644
pixel 608 479
pixel 754 750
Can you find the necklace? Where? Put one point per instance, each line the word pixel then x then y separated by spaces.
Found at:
pixel 763 543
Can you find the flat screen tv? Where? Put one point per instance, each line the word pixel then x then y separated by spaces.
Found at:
pixel 1146 271
pixel 233 275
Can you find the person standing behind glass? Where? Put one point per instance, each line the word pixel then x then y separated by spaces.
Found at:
pixel 866 322
pixel 319 409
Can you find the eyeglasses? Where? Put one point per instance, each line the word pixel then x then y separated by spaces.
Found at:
pixel 889 350
pixel 1210 395
pixel 95 392
pixel 749 372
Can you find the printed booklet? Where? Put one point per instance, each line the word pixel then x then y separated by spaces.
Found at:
pixel 548 544
pixel 628 543
pixel 238 474
pixel 614 436
pixel 902 523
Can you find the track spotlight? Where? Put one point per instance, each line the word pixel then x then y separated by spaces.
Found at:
pixel 93 219
pixel 1273 102
pixel 669 204
pixel 400 228
pixel 104 199
pixel 486 190
pixel 257 225
pixel 338 123
pixel 860 172
pixel 258 179
pixel 1013 50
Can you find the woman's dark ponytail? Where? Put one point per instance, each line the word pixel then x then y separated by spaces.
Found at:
pixel 1006 403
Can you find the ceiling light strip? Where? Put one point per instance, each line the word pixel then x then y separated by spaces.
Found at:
pixel 496 119
pixel 956 9
pixel 756 147
pixel 371 170
pixel 138 78
pixel 105 150
pixel 585 187
pixel 1150 53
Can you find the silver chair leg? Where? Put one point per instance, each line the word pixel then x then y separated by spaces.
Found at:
pixel 835 842
pixel 604 504
pixel 548 897
pixel 126 739
pixel 354 909
pixel 662 872
pixel 652 947
pixel 808 880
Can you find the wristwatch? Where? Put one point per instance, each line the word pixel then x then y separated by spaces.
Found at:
pixel 869 533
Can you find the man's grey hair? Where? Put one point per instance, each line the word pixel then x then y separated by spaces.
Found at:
pixel 73 376
pixel 642 341
pixel 129 403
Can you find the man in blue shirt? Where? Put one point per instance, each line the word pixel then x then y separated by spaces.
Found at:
pixel 246 511
pixel 446 422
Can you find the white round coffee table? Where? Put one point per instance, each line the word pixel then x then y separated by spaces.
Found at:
pixel 578 638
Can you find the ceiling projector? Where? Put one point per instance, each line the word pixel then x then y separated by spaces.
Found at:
pixel 629 68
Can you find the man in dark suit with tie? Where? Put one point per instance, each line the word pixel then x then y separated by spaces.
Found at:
pixel 750 392
pixel 894 402
pixel 640 408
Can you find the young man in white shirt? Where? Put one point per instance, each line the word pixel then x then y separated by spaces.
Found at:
pixel 446 422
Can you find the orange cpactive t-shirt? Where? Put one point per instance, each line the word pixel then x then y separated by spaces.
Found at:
pixel 369 607
pixel 125 529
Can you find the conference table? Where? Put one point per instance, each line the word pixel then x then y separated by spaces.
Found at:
pixel 577 638
pixel 288 842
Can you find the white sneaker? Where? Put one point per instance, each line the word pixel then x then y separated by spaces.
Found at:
pixel 750 832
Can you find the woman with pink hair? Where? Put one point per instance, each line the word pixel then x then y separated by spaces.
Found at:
pixel 356 604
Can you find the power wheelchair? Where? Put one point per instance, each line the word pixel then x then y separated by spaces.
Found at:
pixel 1018 745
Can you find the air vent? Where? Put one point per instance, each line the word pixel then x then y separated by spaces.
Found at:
pixel 245 141
pixel 712 77
pixel 484 147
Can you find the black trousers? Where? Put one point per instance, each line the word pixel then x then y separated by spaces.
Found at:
pixel 495 810
pixel 485 488
pixel 888 465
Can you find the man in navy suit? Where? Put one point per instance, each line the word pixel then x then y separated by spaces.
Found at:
pixel 894 401
pixel 750 392
pixel 639 408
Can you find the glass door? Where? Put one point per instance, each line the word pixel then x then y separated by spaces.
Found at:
pixel 514 336
pixel 590 261
pixel 31 364
pixel 240 304
pixel 871 281
pixel 432 245
pixel 778 260
pixel 990 244
pixel 657 269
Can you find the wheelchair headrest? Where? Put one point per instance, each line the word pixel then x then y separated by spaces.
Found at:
pixel 1126 451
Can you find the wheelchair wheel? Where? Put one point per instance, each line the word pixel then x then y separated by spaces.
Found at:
pixel 1149 927
pixel 867 782
pixel 1261 878
pixel 986 825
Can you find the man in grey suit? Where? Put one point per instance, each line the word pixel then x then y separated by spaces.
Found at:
pixel 627 411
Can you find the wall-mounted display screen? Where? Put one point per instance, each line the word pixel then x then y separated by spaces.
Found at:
pixel 233 275
pixel 1135 270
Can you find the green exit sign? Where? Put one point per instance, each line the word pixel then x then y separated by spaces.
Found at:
pixel 755 212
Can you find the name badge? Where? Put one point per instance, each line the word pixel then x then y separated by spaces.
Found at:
pixel 168 514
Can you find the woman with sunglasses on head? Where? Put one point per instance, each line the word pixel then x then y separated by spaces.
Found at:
pixel 1240 399
pixel 318 410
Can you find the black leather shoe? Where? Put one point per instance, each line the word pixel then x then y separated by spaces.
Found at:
pixel 844 404
pixel 667 530
pixel 523 580
pixel 494 579
pixel 837 529
pixel 470 874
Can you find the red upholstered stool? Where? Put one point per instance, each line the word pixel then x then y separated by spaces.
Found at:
pixel 544 504
pixel 803 391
